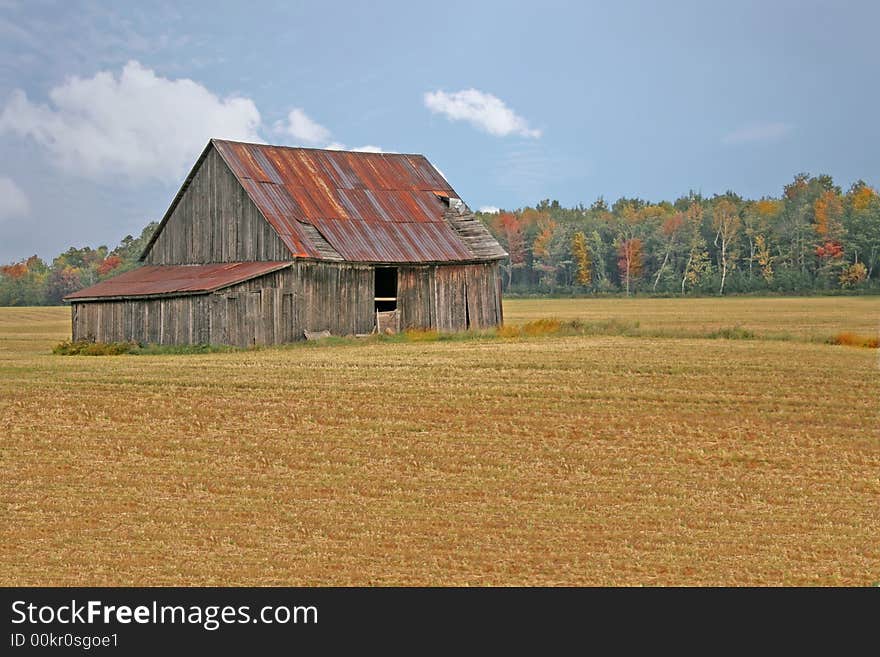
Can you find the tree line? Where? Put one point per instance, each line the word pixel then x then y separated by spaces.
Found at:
pixel 32 282
pixel 814 237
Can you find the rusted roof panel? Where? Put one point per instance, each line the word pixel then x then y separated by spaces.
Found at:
pixel 362 241
pixel 370 207
pixel 157 280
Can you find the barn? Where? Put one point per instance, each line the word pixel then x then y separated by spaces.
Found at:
pixel 271 244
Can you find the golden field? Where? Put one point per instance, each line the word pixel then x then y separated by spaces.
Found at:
pixel 546 460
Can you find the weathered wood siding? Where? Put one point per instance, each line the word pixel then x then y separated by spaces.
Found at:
pixel 215 221
pixel 171 320
pixel 449 298
pixel 307 296
pixel 314 296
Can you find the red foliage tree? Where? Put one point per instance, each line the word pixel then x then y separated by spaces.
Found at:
pixel 829 250
pixel 109 263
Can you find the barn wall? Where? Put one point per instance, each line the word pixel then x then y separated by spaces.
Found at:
pixel 307 296
pixel 171 320
pixel 215 221
pixel 449 297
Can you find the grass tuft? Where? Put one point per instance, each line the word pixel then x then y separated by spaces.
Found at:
pixel 732 333
pixel 508 331
pixel 421 335
pixel 545 326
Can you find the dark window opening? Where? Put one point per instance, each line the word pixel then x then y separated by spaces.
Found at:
pixel 467 310
pixel 385 289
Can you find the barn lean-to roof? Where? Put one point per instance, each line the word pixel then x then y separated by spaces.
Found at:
pixel 353 206
pixel 175 280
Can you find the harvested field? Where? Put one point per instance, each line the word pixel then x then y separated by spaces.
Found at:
pixel 545 460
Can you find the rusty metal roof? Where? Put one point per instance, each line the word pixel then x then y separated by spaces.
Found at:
pixel 370 207
pixel 159 280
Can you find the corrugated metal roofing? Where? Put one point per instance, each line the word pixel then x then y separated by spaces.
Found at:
pixel 157 280
pixel 370 207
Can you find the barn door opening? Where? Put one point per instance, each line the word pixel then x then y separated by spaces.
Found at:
pixel 385 296
pixel 385 299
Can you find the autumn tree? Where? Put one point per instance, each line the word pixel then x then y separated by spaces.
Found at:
pixel 757 218
pixel 671 231
pixel 764 258
pixel 862 226
pixel 629 260
pixel 23 283
pixel 582 259
pixel 726 224
pixel 828 215
pixel 541 250
pixel 697 263
pixel 511 234
pixel 108 265
pixel 798 223
pixel 853 275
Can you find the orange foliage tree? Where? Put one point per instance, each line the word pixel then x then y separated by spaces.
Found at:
pixel 630 260
pixel 511 231
pixel 541 249
pixel 828 212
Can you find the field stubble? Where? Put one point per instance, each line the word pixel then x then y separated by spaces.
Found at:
pixel 554 460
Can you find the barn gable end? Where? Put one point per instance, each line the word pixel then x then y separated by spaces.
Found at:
pixel 213 219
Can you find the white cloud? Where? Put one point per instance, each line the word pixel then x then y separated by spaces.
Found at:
pixel 143 126
pixel 490 209
pixel 300 126
pixel 368 148
pixel 758 132
pixel 138 124
pixel 13 201
pixel 481 109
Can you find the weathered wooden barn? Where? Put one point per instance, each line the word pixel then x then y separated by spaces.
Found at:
pixel 264 244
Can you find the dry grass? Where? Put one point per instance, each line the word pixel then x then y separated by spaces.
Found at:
pixel 803 317
pixel 550 460
pixel 850 339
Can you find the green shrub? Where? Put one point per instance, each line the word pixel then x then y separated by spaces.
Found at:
pixel 90 348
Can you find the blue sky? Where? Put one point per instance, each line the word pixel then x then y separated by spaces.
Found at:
pixel 104 106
